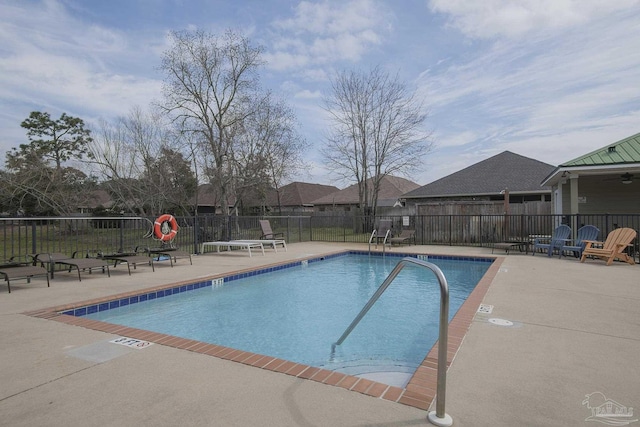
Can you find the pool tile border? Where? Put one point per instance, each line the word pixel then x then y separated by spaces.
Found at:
pixel 419 392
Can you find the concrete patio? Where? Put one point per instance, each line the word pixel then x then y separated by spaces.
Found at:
pixel 575 331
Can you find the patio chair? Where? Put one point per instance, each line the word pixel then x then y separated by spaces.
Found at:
pixel 80 264
pixel 612 248
pixel 267 233
pixel 13 270
pixel 165 252
pixel 587 232
pixel 558 238
pixel 129 258
pixel 405 237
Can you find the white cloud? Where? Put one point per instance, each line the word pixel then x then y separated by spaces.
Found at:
pixel 514 18
pixel 327 31
pixel 556 83
pixel 307 94
pixel 61 64
pixel 455 140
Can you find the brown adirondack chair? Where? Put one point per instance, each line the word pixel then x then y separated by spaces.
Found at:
pixel 612 248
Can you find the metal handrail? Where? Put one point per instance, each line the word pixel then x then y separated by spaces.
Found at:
pixel 374 233
pixel 437 417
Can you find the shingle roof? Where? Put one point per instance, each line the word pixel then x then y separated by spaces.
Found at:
pixel 505 170
pixel 391 188
pixel 624 151
pixel 97 198
pixel 300 193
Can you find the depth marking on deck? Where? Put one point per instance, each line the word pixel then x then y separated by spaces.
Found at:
pixel 485 308
pixel 131 343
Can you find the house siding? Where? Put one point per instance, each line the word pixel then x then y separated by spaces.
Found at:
pixel 608 196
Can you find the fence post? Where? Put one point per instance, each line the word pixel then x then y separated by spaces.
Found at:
pixel 33 238
pixel 122 236
pixel 196 232
pixel 344 231
pixel 288 232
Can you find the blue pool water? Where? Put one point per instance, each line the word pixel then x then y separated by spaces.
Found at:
pixel 297 313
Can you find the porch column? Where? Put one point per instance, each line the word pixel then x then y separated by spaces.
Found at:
pixel 557 199
pixel 573 182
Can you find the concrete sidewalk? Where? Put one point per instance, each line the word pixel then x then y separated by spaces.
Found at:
pixel 575 331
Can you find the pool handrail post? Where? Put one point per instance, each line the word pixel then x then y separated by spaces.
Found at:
pixel 373 233
pixel 438 417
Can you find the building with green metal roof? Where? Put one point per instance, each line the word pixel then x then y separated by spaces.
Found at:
pixel 603 181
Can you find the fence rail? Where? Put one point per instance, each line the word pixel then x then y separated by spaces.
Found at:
pixel 24 236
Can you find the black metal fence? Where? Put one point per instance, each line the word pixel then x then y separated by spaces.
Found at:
pixel 24 236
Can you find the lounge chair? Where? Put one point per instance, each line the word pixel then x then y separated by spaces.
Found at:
pixel 129 259
pixel 267 233
pixel 587 232
pixel 560 236
pixel 405 237
pixel 166 252
pixel 268 242
pixel 515 244
pixel 12 270
pixel 80 264
pixel 242 244
pixel 612 248
pixel 381 233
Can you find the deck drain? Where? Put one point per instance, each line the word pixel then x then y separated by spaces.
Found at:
pixel 500 322
pixel 485 309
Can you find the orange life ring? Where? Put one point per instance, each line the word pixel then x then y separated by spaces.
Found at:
pixel 165 228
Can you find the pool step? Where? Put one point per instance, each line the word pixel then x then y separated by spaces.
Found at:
pixel 391 372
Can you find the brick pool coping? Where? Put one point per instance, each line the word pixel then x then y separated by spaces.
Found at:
pixel 419 392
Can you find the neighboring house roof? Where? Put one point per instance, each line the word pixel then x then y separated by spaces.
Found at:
pixel 521 175
pixel 300 194
pixel 293 194
pixel 208 196
pixel 619 157
pixel 96 199
pixel 391 188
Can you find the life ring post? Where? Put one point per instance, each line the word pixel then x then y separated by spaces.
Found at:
pixel 165 227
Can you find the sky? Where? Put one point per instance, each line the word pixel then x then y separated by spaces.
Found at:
pixel 547 79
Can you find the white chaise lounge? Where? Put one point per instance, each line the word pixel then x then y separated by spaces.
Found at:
pixel 242 244
pixel 273 243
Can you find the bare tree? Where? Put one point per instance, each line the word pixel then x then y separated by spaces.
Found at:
pixel 140 167
pixel 210 89
pixel 269 150
pixel 376 130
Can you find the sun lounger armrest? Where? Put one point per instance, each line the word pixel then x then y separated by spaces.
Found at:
pixel 271 236
pixel 73 255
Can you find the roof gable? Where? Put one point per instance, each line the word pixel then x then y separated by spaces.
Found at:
pixel 300 193
pixel 391 188
pixel 505 170
pixel 624 151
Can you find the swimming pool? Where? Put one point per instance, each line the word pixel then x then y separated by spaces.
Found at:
pixel 295 312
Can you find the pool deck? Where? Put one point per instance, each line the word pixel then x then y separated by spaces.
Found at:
pixel 576 331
